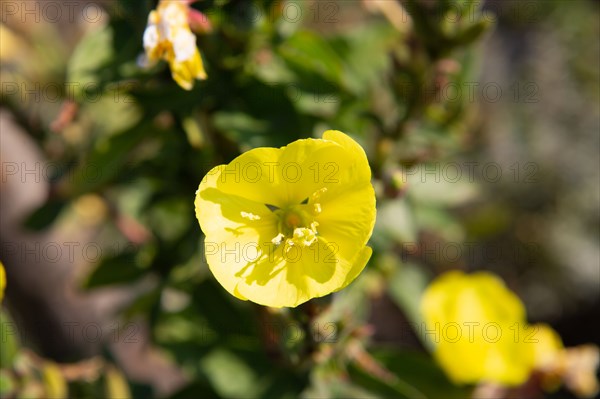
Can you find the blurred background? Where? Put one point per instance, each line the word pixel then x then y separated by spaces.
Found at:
pixel 480 120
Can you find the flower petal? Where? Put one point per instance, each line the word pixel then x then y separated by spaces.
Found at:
pixel 292 278
pixel 361 169
pixel 253 175
pixel 477 319
pixel 347 217
pixel 234 227
pixel 185 72
pixel 309 165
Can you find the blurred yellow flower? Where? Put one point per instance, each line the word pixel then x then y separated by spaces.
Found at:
pixel 168 37
pixel 481 335
pixel 575 367
pixel 548 346
pixel 2 281
pixel 479 328
pixel 284 225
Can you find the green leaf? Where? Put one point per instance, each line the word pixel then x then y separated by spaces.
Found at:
pixel 308 51
pixel 406 288
pixel 395 221
pixel 365 55
pixel 418 377
pixel 45 215
pixel 442 184
pixel 220 365
pixel 119 269
pixel 242 128
pixel 106 162
pixel 8 340
pixel 398 389
pixel 198 389
pixel 92 53
pixel 8 383
pixel 422 372
pixel 170 218
pixel 473 32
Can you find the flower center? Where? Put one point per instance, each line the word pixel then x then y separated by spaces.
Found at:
pixel 296 223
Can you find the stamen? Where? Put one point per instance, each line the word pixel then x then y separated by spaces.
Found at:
pixel 304 237
pixel 278 239
pixel 317 208
pixel 315 196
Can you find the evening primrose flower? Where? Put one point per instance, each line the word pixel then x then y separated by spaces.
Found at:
pixel 284 225
pixel 479 328
pixel 481 335
pixel 168 37
pixel 575 367
pixel 2 281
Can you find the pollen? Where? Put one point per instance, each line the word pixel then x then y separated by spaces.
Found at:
pixel 304 237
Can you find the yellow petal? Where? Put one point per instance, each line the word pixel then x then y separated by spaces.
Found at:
pixel 252 175
pixel 361 168
pixel 347 217
pixel 184 73
pixel 234 227
pixel 358 264
pixel 2 281
pixel 309 165
pixel 289 278
pixel 197 66
pixel 547 347
pixel 478 329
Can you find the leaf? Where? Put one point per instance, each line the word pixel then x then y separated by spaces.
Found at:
pixel 422 372
pixel 426 379
pixel 9 341
pixel 45 215
pixel 443 184
pixel 442 222
pixel 7 384
pixel 364 52
pixel 395 221
pixel 198 389
pixel 119 269
pixel 398 390
pixel 473 32
pixel 242 128
pixel 170 218
pixel 406 288
pixel 92 53
pixel 107 160
pixel 220 365
pixel 308 51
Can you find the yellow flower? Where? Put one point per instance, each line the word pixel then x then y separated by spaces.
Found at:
pixel 284 225
pixel 2 281
pixel 548 346
pixel 479 328
pixel 575 367
pixel 168 37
